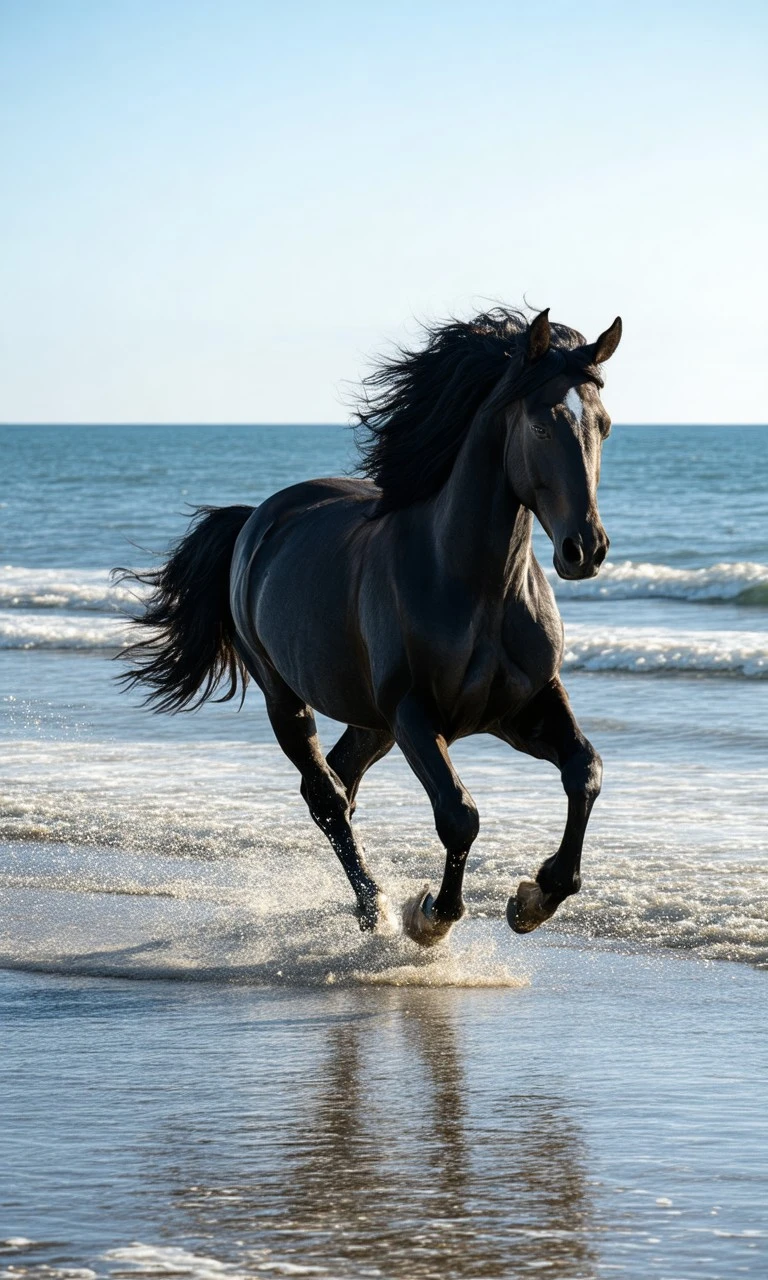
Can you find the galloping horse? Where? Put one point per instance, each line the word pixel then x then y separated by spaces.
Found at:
pixel 409 604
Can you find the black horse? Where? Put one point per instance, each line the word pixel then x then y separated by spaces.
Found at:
pixel 409 604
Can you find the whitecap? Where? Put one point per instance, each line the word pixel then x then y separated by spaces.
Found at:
pixel 738 582
pixel 93 590
pixel 659 649
pixel 60 631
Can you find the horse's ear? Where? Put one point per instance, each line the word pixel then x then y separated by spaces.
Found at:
pixel 607 343
pixel 539 336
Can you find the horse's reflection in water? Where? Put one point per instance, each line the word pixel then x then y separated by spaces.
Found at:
pixel 410 1160
pixel 415 1164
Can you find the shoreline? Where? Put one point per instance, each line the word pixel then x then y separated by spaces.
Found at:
pixel 428 970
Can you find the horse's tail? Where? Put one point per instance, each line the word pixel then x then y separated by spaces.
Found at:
pixel 187 647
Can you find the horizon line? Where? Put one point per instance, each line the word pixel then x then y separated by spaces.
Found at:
pixel 342 425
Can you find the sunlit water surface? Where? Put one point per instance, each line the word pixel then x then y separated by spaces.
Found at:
pixel 603 1114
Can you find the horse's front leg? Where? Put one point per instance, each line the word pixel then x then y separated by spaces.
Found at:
pixel 426 919
pixel 547 729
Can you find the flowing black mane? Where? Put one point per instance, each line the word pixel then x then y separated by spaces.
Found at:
pixel 416 407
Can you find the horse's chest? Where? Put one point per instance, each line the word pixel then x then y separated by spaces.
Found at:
pixel 534 642
pixel 512 657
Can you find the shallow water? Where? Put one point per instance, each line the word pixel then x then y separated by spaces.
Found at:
pixel 107 811
pixel 581 1122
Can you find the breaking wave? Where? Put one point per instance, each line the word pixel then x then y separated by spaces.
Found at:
pixel 659 649
pixel 60 631
pixel 740 583
pixel 71 589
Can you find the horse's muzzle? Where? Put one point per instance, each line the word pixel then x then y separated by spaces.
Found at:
pixel 580 555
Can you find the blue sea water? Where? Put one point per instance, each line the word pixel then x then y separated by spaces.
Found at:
pixel 289 1097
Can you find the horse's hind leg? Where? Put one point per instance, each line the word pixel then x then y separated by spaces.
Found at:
pixel 354 753
pixel 326 797
pixel 547 729
pixel 427 919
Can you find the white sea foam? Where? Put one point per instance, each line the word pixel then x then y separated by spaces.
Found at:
pixel 20 630
pixel 649 650
pixel 172 1260
pixel 740 582
pixel 89 589
pixel 163 1260
pixel 178 862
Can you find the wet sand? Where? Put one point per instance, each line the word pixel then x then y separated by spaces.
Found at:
pixel 604 1113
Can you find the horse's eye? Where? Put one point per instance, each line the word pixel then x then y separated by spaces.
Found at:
pixel 540 431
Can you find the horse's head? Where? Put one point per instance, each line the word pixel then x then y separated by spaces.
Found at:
pixel 557 428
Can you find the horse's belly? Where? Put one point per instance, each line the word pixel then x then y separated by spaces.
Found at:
pixel 314 651
pixel 327 676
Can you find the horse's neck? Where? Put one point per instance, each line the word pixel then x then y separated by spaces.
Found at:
pixel 481 529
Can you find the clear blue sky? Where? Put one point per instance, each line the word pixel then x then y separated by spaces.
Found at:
pixel 214 211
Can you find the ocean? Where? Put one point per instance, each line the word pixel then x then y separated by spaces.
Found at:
pixel 208 1070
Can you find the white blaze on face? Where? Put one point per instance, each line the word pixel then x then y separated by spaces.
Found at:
pixel 574 402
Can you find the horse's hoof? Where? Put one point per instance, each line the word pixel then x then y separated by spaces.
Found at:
pixel 378 917
pixel 529 908
pixel 420 923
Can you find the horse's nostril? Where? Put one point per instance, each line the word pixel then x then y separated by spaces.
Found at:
pixel 571 551
pixel 600 554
